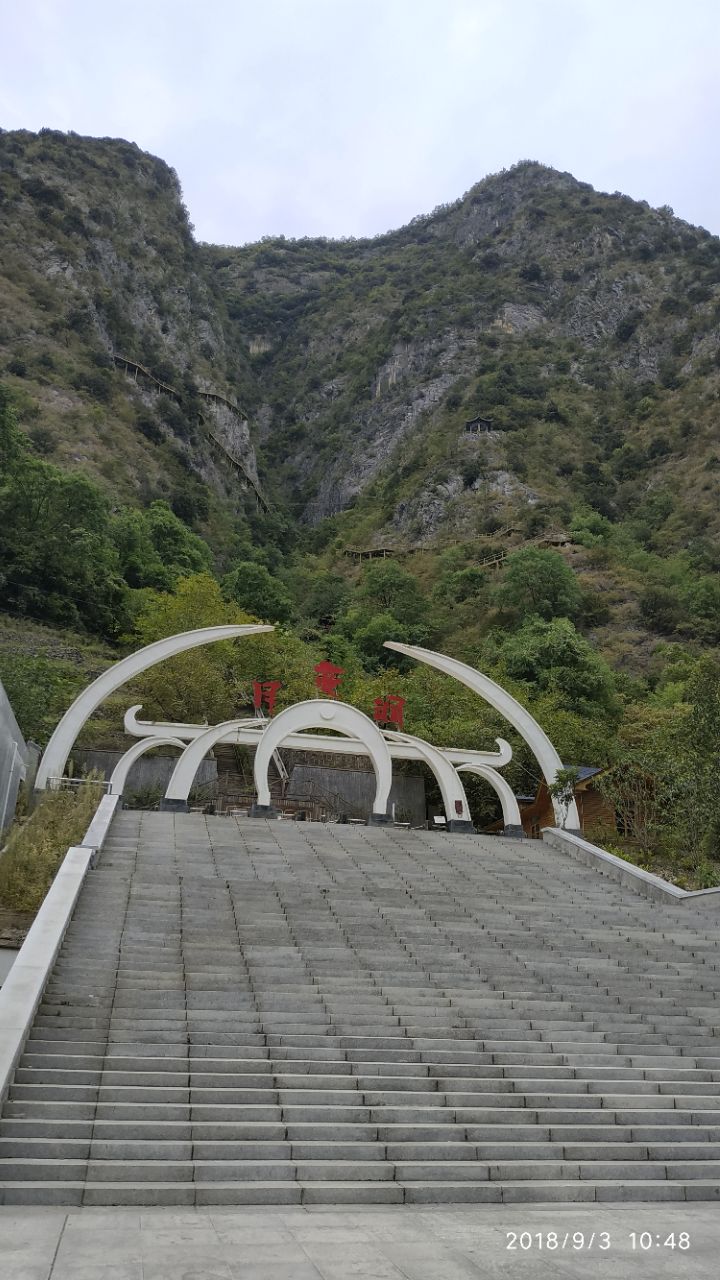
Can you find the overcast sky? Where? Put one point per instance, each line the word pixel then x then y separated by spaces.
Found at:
pixel 348 117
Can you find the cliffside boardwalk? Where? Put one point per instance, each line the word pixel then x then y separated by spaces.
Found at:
pixel 133 368
pixel 247 1012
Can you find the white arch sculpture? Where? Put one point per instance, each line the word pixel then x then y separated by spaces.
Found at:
pixel 247 732
pixel 451 788
pixel 512 822
pixel 61 742
pixel 194 752
pixel 528 728
pixel 304 715
pixel 118 777
pixel 342 718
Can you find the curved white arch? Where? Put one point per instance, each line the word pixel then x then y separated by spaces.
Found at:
pixel 528 728
pixel 248 731
pixel 194 752
pixel 342 718
pixel 118 777
pixel 510 807
pixel 451 788
pixel 164 728
pixel 315 713
pixel 61 742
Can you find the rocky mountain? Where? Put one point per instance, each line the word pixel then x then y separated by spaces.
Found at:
pixel 581 330
pixel 113 337
pixel 578 333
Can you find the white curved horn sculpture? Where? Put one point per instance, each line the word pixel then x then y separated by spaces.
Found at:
pixel 457 809
pixel 61 742
pixel 168 728
pixel 528 728
pixel 340 716
pixel 118 777
pixel 510 809
pixel 194 752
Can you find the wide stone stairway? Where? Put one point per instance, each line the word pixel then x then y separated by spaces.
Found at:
pixel 249 1012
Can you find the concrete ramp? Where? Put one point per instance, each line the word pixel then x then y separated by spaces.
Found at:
pixel 246 1012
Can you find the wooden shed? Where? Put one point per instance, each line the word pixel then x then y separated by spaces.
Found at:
pixel 593 808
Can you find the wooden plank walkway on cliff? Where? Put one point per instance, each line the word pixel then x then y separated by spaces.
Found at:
pixel 549 539
pixel 133 367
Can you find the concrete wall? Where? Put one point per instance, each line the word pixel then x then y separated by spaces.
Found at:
pixel 149 771
pixel 14 759
pixel 355 788
pixel 7 960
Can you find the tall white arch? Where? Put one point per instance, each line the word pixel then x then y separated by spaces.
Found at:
pixel 510 808
pixel 342 718
pixel 194 752
pixel 457 809
pixel 61 742
pixel 528 728
pixel 118 777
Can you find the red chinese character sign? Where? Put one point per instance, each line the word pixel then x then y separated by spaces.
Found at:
pixel 264 693
pixel 327 678
pixel 389 710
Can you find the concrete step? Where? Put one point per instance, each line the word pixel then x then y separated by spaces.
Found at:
pixel 437 1022
pixel 184 1194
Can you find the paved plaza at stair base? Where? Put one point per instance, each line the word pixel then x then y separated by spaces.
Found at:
pixel 277 1014
pixel 450 1242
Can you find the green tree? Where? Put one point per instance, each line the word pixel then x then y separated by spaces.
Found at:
pixel 541 583
pixel 703 601
pixel 156 548
pixel 385 587
pixel 214 682
pixel 661 609
pixel 562 788
pixel 552 656
pixel 58 562
pixel 326 598
pixel 369 639
pixel 255 589
pixel 696 752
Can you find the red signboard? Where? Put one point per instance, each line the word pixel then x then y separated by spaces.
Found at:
pixel 265 693
pixel 389 710
pixel 327 677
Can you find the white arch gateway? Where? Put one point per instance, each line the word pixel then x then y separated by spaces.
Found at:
pixel 315 713
pixel 360 735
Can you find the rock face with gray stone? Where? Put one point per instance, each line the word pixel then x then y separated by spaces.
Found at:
pixel 250 1012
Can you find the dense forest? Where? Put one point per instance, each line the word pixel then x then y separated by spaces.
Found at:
pixel 516 396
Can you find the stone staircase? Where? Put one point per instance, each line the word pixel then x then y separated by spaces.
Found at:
pixel 236 786
pixel 249 1012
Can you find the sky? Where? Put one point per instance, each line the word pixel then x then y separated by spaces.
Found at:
pixel 350 117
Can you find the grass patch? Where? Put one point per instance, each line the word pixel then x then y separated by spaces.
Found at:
pixel 37 845
pixel 687 871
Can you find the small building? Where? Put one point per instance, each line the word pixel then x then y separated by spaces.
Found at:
pixel 554 538
pixel 594 809
pixel 475 426
pixel 370 553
